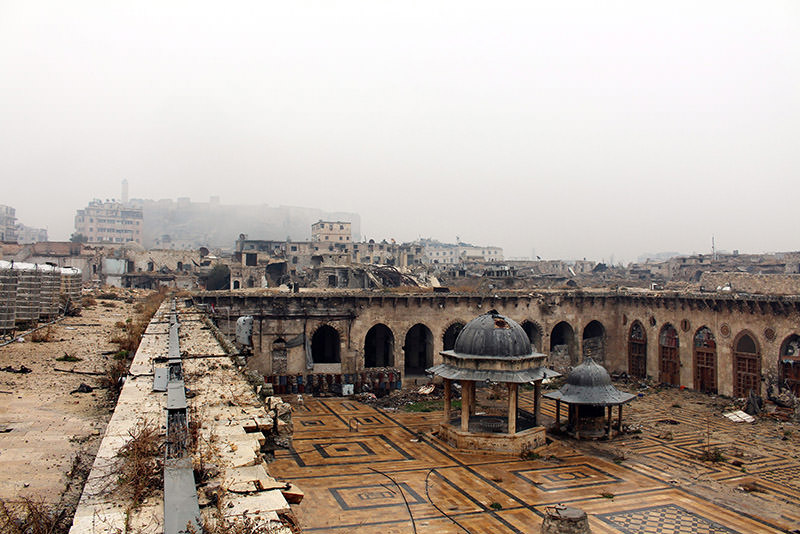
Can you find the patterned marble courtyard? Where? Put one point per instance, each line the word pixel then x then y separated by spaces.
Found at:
pixel 389 476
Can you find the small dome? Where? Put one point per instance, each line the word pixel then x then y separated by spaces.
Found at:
pixel 590 383
pixel 589 374
pixel 492 334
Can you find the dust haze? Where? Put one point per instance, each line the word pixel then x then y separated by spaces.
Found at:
pixel 568 130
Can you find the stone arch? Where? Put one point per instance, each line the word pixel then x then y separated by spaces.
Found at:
pixel 326 345
pixel 379 346
pixel 418 349
pixel 637 350
pixel 669 362
pixel 594 341
pixel 563 347
pixel 279 357
pixel 789 363
pixel 746 364
pixel 704 360
pixel 535 334
pixel 450 334
pixel 236 284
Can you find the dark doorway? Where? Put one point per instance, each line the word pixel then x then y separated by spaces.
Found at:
pixel 450 335
pixel 563 353
pixel 379 347
pixel 746 366
pixel 669 363
pixel 325 345
pixel 534 332
pixel 637 351
pixel 790 363
pixel 418 350
pixel 594 342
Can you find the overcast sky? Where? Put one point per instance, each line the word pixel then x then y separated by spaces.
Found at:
pixel 578 129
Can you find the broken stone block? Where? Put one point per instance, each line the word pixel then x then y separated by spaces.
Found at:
pixel 264 423
pixel 284 428
pixel 283 409
pixel 293 494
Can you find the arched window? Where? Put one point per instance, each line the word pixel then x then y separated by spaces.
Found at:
pixel 379 347
pixel 637 351
pixel 325 345
pixel 705 361
pixel 746 365
pixel 669 363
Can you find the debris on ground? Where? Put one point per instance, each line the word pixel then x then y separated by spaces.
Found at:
pixel 21 371
pixel 83 388
pixel 739 417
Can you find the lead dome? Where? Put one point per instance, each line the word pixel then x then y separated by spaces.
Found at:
pixel 492 334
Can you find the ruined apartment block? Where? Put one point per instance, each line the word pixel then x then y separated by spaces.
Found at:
pixel 109 222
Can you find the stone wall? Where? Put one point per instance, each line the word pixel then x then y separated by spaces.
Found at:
pixel 769 321
pixel 763 284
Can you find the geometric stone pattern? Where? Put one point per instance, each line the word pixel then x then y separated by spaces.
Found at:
pixel 388 478
pixel 662 519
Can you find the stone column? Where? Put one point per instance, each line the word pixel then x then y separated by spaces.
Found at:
pixel 537 402
pixel 512 408
pixel 472 396
pixel 620 419
pixel 466 401
pixel 447 393
pixel 558 415
pixel 610 411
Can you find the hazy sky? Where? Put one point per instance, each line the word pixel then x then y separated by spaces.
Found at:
pixel 578 129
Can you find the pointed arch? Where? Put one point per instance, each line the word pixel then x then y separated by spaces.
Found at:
pixel 535 334
pixel 450 334
pixel 379 347
pixel 669 363
pixel 563 347
pixel 594 341
pixel 746 364
pixel 789 363
pixel 704 359
pixel 637 350
pixel 418 349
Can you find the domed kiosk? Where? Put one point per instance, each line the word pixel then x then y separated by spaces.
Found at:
pixel 496 349
pixel 588 392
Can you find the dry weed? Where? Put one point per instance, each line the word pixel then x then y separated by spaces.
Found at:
pixel 43 335
pixel 140 464
pixel 28 516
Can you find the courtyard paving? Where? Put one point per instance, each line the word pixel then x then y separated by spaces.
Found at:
pixel 390 477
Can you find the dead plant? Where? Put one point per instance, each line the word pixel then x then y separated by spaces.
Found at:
pixel 29 516
pixel 43 335
pixel 114 376
pixel 140 465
